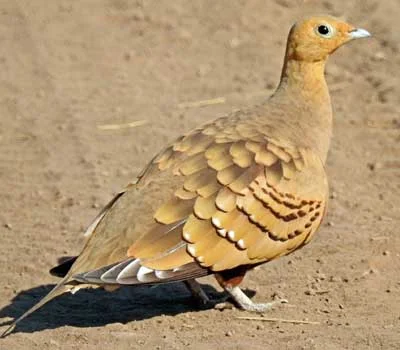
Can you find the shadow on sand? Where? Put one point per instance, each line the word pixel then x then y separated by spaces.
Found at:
pixel 97 307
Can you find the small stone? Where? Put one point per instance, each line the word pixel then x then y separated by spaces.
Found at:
pixel 138 16
pixel 8 225
pixel 375 166
pixel 229 334
pixel 129 55
pixel 277 295
pixel 379 56
pixel 54 343
pixel 386 253
pixel 234 43
pixel 334 279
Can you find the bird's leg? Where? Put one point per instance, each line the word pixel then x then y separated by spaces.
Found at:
pixel 230 280
pixel 245 303
pixel 197 292
pixel 200 296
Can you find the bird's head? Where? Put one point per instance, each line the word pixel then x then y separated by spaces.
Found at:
pixel 315 38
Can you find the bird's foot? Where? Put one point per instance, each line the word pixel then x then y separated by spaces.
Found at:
pixel 239 298
pixel 245 303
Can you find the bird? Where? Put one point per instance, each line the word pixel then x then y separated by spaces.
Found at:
pixel 234 193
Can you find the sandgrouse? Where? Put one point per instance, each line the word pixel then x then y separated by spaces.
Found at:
pixel 240 191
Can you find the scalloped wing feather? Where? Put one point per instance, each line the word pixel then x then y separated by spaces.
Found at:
pixel 215 199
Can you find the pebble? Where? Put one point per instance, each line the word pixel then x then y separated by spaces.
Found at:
pixel 379 56
pixel 234 43
pixel 375 166
pixel 334 279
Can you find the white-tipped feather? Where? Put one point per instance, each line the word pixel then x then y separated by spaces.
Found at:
pixel 216 222
pixel 111 275
pixel 93 276
pixel 186 236
pixel 231 235
pixel 143 270
pixel 128 274
pixel 200 259
pixel 163 274
pixel 191 250
pixel 222 232
pixel 240 243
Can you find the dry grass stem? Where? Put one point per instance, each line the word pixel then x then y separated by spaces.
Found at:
pixel 203 103
pixel 121 126
pixel 280 320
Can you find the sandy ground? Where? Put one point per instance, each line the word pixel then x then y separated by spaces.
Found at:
pixel 68 67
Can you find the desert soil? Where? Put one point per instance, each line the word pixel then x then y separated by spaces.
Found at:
pixel 68 68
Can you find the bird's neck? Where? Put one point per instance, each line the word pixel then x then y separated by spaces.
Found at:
pixel 304 91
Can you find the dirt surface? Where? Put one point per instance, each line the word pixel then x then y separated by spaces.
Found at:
pixel 68 67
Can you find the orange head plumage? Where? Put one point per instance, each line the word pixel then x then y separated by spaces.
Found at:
pixel 315 38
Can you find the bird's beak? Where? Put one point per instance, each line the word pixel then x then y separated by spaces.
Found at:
pixel 357 33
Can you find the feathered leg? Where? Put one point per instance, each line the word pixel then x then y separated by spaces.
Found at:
pixel 230 280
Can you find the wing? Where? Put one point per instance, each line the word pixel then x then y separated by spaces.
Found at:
pixel 222 196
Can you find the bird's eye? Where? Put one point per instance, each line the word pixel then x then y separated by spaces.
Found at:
pixel 324 30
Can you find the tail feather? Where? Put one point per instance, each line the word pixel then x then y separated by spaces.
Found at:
pixel 64 266
pixel 56 291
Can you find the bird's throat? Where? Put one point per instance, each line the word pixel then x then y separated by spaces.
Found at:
pixel 304 91
pixel 305 79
